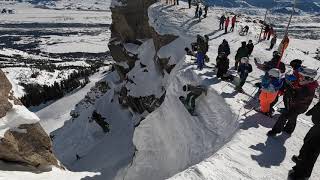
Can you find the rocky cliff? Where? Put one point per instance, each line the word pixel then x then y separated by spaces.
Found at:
pixel 130 27
pixel 23 140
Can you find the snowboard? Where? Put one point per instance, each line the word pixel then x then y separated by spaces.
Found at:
pixel 189 109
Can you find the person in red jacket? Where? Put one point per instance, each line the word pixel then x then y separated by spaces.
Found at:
pixel 226 25
pixel 233 23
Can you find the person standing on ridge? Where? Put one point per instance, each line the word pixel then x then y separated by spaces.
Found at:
pixel 222 65
pixel 233 23
pixel 205 11
pixel 273 41
pixel 222 19
pixel 200 14
pixel 301 99
pixel 244 69
pixel 271 84
pixel 226 25
pixel 242 52
pixel 310 150
pixel 250 47
pixel 224 47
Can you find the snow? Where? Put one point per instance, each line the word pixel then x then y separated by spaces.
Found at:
pixel 148 80
pixel 169 139
pixel 114 149
pixel 54 115
pixel 74 43
pixel 14 174
pixel 250 154
pixel 25 12
pixel 15 117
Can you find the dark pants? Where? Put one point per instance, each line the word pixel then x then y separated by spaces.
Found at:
pixel 226 30
pixel 221 72
pixel 189 1
pixel 232 27
pixel 237 61
pixel 191 99
pixel 287 121
pixel 308 156
pixel 221 25
pixel 271 46
pixel 242 82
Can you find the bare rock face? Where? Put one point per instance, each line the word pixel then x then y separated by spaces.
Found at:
pixel 27 144
pixel 130 22
pixel 5 88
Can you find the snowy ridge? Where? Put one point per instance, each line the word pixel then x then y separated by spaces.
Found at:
pixel 250 154
pixel 15 117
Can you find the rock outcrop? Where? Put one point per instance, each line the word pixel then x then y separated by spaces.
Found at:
pixel 27 144
pixel 130 24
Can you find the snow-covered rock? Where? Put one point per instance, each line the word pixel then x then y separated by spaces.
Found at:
pixel 23 140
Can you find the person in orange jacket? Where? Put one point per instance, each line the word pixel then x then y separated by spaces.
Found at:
pixel 233 23
pixel 271 84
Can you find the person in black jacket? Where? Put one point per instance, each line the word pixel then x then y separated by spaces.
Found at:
pixel 222 19
pixel 222 65
pixel 301 98
pixel 310 150
pixel 250 47
pixel 242 52
pixel 194 93
pixel 224 47
pixel 273 63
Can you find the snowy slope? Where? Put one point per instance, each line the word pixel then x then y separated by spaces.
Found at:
pixel 250 154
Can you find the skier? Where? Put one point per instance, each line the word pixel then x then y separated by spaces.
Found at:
pixel 271 84
pixel 222 19
pixel 200 14
pixel 189 2
pixel 266 66
pixel 250 47
pixel 222 65
pixel 205 11
pixel 226 25
pixel 194 93
pixel 310 150
pixel 242 52
pixel 233 23
pixel 273 41
pixel 176 2
pixel 78 157
pixel 299 103
pixel 224 47
pixel 244 69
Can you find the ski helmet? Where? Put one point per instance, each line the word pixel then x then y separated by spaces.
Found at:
pixel 244 60
pixel 308 73
pixel 274 72
pixel 276 53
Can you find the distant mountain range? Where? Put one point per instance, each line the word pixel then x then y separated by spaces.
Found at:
pixel 304 5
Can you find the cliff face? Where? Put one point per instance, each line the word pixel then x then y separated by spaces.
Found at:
pixel 130 27
pixel 23 140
